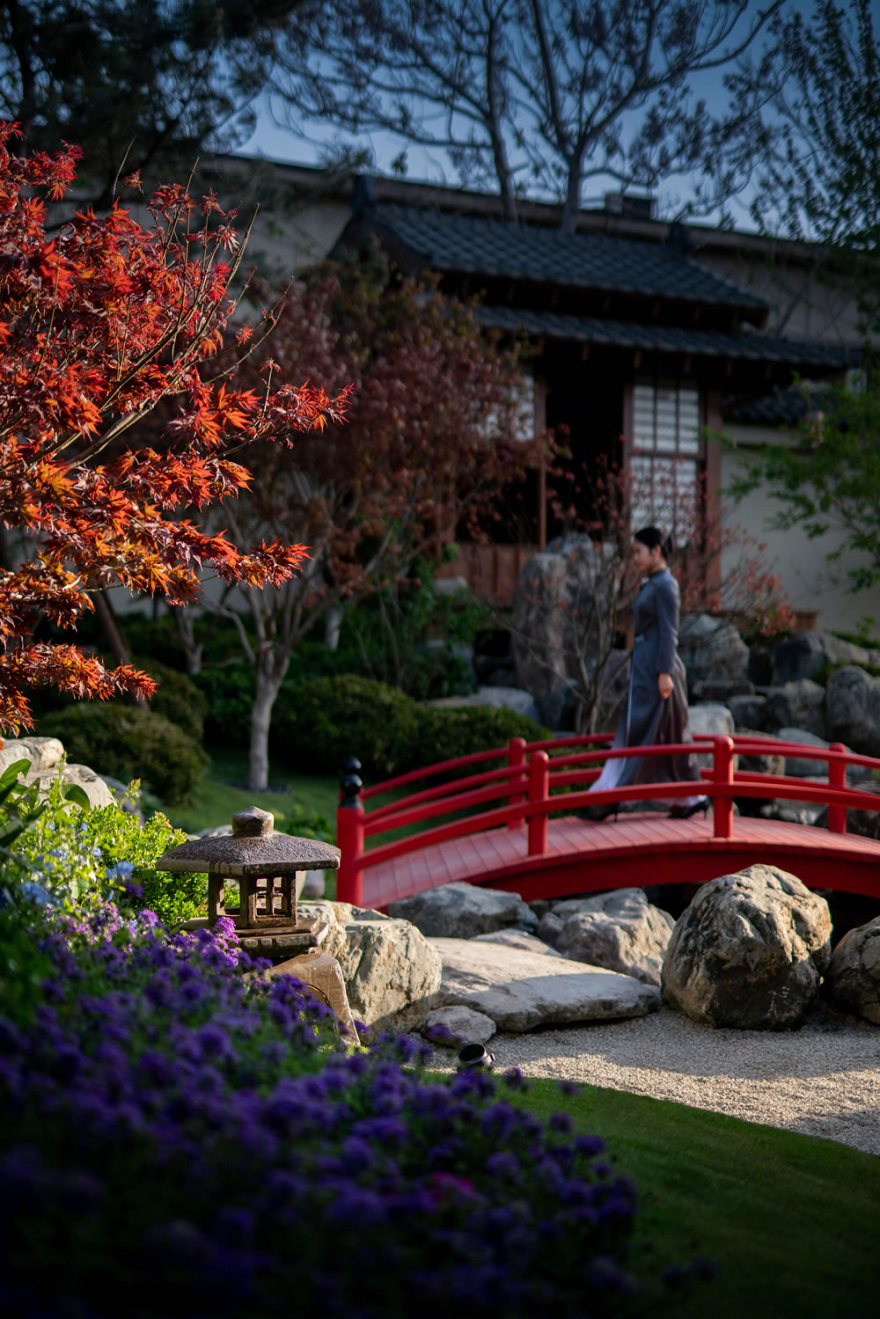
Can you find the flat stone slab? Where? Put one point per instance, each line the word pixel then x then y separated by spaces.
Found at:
pixel 519 939
pixel 522 990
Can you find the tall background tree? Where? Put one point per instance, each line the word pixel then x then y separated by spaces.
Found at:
pixel 535 97
pixel 433 431
pixel 822 183
pixel 151 83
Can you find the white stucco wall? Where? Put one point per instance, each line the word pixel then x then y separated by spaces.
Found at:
pixel 801 563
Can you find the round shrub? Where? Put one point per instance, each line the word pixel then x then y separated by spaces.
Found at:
pixel 329 719
pixel 126 742
pixel 446 733
pixel 177 698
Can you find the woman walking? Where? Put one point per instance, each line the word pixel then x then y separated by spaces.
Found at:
pixel 656 711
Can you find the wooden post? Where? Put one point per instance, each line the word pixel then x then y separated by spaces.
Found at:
pixel 516 759
pixel 350 841
pixel 836 779
pixel 722 804
pixel 539 791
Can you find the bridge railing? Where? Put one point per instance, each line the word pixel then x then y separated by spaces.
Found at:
pixel 533 785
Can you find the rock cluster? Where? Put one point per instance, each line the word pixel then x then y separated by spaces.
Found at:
pixel 45 755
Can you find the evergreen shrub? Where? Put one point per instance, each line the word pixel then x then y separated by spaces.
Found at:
pixel 330 719
pixel 177 698
pixel 128 742
pixel 445 734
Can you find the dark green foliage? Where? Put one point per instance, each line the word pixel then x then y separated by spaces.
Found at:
pixel 128 742
pixel 327 720
pixel 135 81
pixel 447 734
pixel 157 638
pixel 177 698
pixel 330 719
pixel 229 695
pixel 23 969
pixel 305 822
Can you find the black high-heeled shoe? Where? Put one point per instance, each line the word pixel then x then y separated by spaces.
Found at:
pixel 685 812
pixel 597 813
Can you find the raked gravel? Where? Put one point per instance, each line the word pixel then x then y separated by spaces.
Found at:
pixel 822 1080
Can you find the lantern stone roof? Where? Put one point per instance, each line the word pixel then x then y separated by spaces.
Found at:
pixel 253 848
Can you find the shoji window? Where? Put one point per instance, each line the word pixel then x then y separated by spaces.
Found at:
pixel 666 457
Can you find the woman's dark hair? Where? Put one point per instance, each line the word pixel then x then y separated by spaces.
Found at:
pixel 653 536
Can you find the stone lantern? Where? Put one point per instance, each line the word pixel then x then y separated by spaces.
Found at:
pixel 268 867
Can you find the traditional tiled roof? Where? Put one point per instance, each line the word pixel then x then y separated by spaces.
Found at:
pixel 494 248
pixel 740 343
pixel 786 408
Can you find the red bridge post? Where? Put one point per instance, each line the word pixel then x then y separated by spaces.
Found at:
pixel 722 803
pixel 836 779
pixel 350 841
pixel 516 759
pixel 539 791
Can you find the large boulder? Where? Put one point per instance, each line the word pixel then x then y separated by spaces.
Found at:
pixel 852 702
pixel 513 938
pixel 563 609
pixel 853 976
pixel 769 762
pixel 504 698
pixel 42 752
pixel 539 625
pixel 455 1025
pixel 800 767
pixel 521 991
pixel 798 704
pixel 92 784
pixel 809 654
pixel 710 717
pixel 621 931
pixel 45 755
pixel 749 952
pixel 749 712
pixel 391 972
pixel 712 650
pixel 458 910
pixel 865 823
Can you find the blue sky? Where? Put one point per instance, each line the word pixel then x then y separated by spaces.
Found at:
pixel 280 144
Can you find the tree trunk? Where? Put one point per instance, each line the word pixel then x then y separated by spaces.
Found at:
pixel 111 627
pixel 184 620
pixel 269 673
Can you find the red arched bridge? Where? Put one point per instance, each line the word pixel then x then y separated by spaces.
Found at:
pixel 515 826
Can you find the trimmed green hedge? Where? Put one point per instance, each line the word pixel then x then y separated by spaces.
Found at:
pixel 328 720
pixel 127 742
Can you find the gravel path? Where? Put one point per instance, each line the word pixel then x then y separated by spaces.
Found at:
pixel 823 1080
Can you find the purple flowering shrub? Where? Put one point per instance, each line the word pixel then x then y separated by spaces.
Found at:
pixel 184 1135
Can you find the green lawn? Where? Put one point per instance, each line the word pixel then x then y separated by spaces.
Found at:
pixel 790 1220
pixel 215 799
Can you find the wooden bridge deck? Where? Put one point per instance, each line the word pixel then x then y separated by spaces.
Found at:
pixel 638 849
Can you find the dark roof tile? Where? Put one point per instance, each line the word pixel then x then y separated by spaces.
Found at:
pixel 743 343
pixel 474 245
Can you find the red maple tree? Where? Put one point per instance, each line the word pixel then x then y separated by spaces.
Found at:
pixel 99 324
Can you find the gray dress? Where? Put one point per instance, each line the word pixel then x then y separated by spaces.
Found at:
pixel 647 719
